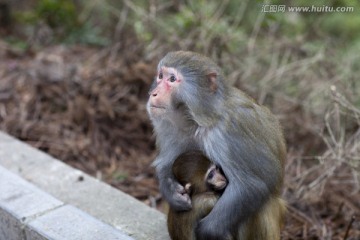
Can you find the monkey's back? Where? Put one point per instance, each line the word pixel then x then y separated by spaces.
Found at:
pixel 257 124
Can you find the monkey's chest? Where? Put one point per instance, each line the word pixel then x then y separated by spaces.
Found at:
pixel 213 144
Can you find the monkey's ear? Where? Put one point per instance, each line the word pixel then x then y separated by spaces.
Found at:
pixel 212 78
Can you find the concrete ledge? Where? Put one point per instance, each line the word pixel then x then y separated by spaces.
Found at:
pixel 68 222
pixel 57 186
pixel 20 201
pixel 26 212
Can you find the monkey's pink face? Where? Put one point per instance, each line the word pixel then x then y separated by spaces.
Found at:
pixel 167 82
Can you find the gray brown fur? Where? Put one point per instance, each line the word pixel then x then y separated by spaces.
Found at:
pixel 235 133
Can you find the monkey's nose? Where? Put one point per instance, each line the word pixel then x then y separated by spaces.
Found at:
pixel 154 94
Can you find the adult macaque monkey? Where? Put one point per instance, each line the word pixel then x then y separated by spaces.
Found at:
pixel 204 183
pixel 192 107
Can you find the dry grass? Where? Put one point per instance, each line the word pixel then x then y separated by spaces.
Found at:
pixel 323 191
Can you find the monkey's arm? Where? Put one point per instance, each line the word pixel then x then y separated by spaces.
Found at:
pixel 244 195
pixel 247 155
pixel 173 192
pixel 232 208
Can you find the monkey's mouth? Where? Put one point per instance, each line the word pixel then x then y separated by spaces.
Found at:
pixel 157 110
pixel 156 107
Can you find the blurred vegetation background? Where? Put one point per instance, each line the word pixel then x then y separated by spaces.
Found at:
pixel 74 76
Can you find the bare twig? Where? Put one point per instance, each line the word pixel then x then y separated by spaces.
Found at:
pixel 349 227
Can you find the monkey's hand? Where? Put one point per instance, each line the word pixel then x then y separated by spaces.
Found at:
pixel 206 230
pixel 188 188
pixel 177 196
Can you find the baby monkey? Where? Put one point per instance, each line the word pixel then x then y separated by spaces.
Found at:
pixel 204 182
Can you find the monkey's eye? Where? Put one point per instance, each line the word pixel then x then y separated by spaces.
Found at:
pixel 172 78
pixel 160 75
pixel 211 174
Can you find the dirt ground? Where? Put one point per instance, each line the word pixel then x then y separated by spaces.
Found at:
pixel 86 106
